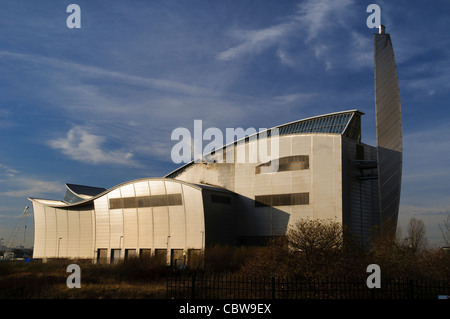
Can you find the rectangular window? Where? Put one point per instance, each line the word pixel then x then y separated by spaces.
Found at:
pixel 161 256
pixel 282 200
pixel 146 201
pixel 359 152
pixel 102 255
pixel 145 253
pixel 115 255
pixel 130 253
pixel 288 163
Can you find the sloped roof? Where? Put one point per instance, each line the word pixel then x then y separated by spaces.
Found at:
pixel 85 190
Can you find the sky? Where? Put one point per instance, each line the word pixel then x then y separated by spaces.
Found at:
pixel 96 105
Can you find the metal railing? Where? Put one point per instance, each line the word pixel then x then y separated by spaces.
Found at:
pixel 201 286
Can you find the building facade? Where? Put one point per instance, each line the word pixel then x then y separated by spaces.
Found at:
pixel 323 171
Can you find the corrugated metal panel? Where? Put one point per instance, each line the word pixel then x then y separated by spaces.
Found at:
pixel 389 128
pixel 39 230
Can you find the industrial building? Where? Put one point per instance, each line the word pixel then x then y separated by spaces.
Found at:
pixel 324 171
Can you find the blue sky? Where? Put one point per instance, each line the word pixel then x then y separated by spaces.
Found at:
pixel 97 105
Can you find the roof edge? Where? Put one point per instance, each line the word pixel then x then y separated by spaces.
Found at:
pixel 84 202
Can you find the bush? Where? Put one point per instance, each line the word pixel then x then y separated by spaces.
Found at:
pixel 224 258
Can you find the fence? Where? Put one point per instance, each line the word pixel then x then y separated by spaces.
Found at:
pixel 199 286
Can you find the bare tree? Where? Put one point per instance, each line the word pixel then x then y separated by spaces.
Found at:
pixel 317 246
pixel 316 237
pixel 445 229
pixel 416 235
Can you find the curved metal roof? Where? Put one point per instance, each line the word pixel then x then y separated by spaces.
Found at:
pixel 59 204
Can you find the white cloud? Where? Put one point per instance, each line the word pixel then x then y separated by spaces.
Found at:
pixel 8 171
pixel 85 147
pixel 21 186
pixel 256 41
pixel 316 16
pixel 315 24
pixel 297 97
pixel 93 71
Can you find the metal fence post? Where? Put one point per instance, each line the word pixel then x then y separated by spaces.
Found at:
pixel 411 289
pixel 193 286
pixel 273 287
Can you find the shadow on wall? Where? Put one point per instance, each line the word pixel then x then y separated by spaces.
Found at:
pixel 259 221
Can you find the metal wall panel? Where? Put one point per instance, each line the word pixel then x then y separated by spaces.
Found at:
pixel 102 225
pixel 39 230
pixel 50 232
pixel 130 228
pixel 73 240
pixel 388 128
pixel 62 232
pixel 86 233
pixel 195 222
pixel 145 217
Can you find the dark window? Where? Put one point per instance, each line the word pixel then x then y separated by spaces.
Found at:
pixel 145 253
pixel 289 163
pixel 219 199
pixel 359 152
pixel 130 253
pixel 282 200
pixel 146 201
pixel 102 255
pixel 116 203
pixel 129 202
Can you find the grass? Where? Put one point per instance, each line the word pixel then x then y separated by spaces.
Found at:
pixel 134 279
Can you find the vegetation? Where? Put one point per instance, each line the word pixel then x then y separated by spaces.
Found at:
pixel 311 248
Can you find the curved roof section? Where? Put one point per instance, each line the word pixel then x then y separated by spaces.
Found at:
pixel 82 190
pixel 347 123
pixel 334 123
pixel 77 193
pixel 84 202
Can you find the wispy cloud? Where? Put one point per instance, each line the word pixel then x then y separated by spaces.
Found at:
pixel 257 40
pixel 82 146
pixel 93 71
pixel 317 16
pixel 314 24
pixel 18 185
pixel 7 171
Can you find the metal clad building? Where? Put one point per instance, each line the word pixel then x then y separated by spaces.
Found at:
pixel 323 171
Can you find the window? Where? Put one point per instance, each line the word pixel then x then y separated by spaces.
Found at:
pixel 130 253
pixel 146 201
pixel 145 253
pixel 359 152
pixel 282 200
pixel 102 255
pixel 288 163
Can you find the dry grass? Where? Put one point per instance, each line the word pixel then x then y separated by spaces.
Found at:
pixel 127 280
